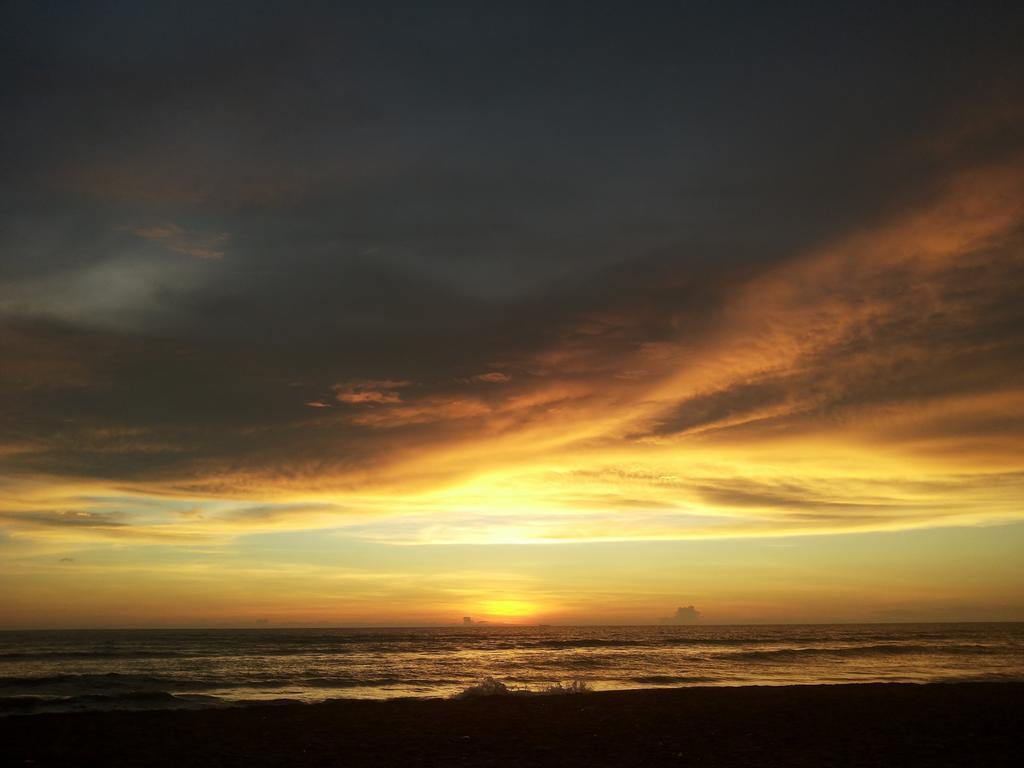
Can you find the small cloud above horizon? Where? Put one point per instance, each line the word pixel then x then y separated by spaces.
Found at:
pixel 686 614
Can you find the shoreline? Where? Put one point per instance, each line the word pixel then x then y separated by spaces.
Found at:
pixel 852 724
pixel 27 705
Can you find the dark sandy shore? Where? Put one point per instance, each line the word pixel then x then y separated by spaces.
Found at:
pixel 973 724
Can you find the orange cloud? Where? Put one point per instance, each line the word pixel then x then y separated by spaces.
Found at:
pixel 365 391
pixel 493 377
pixel 802 404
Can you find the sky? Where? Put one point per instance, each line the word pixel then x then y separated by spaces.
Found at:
pixel 396 312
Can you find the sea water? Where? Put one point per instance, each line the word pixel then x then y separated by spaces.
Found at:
pixel 106 669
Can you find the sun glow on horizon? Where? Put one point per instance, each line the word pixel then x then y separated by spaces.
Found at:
pixel 509 609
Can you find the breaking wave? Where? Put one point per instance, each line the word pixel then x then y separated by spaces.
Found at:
pixel 885 649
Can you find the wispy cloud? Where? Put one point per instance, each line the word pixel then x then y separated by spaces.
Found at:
pixel 189 243
pixel 493 377
pixel 364 391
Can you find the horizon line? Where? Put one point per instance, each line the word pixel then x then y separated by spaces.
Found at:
pixel 487 624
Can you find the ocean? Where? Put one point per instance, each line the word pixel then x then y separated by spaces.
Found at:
pixel 43 671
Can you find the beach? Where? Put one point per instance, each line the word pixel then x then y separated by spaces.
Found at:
pixel 946 724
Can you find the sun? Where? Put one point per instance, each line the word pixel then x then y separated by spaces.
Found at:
pixel 509 610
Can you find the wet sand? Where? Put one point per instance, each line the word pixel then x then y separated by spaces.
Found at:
pixel 976 724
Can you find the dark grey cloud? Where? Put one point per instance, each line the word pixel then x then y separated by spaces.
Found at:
pixel 215 214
